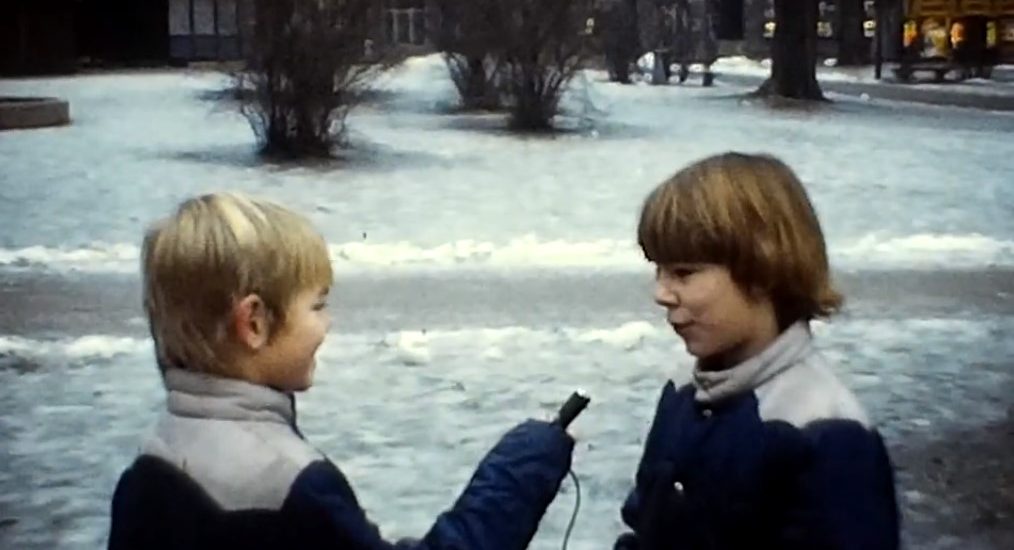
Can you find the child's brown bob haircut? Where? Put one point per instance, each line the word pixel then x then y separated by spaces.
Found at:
pixel 750 214
pixel 216 249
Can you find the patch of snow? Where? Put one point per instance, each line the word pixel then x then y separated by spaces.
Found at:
pixel 829 71
pixel 433 189
pixel 873 250
pixel 96 346
pixel 412 347
pixel 742 65
pixel 925 249
pixel 626 337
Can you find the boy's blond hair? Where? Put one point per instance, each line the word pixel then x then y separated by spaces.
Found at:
pixel 213 250
pixel 751 214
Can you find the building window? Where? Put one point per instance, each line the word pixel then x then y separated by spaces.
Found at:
pixel 405 21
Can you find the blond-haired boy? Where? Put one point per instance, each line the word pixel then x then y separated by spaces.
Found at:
pixel 235 290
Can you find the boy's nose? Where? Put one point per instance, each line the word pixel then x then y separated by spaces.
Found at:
pixel 665 296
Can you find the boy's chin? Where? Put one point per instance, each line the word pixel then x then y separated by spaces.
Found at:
pixel 703 354
pixel 294 384
pixel 695 349
pixel 303 385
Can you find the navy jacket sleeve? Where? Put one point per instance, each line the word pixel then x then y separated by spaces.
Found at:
pixel 845 497
pixel 499 509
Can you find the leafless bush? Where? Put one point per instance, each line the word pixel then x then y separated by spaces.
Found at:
pixel 466 36
pixel 523 51
pixel 307 67
pixel 544 43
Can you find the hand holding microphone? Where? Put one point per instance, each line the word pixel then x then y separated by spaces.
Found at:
pixel 575 404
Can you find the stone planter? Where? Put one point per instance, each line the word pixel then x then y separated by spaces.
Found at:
pixel 32 112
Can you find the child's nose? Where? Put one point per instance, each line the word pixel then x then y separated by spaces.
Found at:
pixel 665 295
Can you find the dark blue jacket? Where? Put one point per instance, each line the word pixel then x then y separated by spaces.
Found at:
pixel 226 468
pixel 790 463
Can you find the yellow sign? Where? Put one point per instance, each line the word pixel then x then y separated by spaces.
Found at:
pixel 957 33
pixel 911 32
pixel 869 28
pixel 1008 30
pixel 991 34
pixel 936 39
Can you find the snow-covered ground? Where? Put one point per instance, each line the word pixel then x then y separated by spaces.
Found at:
pixel 407 415
pixel 896 186
pixel 407 411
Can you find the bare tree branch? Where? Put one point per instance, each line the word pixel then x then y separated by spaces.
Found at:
pixel 543 45
pixel 461 30
pixel 307 68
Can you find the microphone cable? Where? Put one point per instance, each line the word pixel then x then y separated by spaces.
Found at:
pixel 577 507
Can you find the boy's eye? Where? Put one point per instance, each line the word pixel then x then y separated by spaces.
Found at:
pixel 678 272
pixel 319 306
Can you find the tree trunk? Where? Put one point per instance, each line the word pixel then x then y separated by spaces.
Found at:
pixel 852 45
pixel 620 39
pixel 476 94
pixel 794 52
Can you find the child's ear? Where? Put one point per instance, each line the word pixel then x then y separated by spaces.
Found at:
pixel 758 292
pixel 250 321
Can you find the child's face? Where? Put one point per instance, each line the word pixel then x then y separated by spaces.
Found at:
pixel 289 358
pixel 719 323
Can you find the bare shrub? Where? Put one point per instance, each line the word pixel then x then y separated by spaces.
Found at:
pixel 307 67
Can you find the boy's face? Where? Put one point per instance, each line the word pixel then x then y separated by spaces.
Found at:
pixel 720 324
pixel 288 361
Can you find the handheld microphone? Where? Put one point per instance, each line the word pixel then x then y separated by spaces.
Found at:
pixel 574 405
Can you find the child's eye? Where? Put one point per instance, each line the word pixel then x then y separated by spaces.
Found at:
pixel 678 272
pixel 319 306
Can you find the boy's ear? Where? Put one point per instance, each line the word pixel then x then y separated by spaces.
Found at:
pixel 757 293
pixel 250 322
